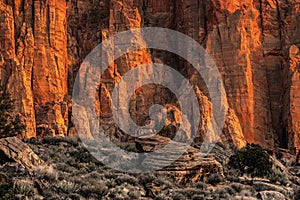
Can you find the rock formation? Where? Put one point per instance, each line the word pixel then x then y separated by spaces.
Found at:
pixel 255 45
pixel 33 44
pixel 190 167
pixel 13 149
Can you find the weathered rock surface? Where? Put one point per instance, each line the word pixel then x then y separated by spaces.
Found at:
pixel 268 195
pixel 255 45
pixel 33 44
pixel 262 186
pixel 192 166
pixel 13 149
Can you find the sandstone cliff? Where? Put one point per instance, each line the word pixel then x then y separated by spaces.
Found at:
pixel 255 45
pixel 33 45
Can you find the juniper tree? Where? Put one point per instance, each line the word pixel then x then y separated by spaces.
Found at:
pixel 253 160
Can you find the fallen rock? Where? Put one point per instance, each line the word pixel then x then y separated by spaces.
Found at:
pixel 270 195
pixel 191 166
pixel 13 149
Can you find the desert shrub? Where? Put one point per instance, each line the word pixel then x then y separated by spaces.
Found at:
pixel 162 197
pixel 82 155
pixel 25 190
pixel 58 140
pixel 123 192
pixel 65 187
pixel 221 193
pixel 10 125
pixel 252 160
pixel 233 175
pixel 214 179
pixel 46 172
pixel 199 185
pixel 277 176
pixel 164 183
pixel 146 178
pixel 188 193
pixel 64 167
pixel 32 140
pixel 134 194
pixel 8 191
pixel 230 190
pixel 179 196
pixel 198 197
pixel 126 179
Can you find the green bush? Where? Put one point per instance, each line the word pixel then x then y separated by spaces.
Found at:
pixel 10 125
pixel 277 176
pixel 252 160
pixel 10 190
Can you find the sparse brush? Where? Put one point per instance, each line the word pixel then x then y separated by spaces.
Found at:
pixel 57 140
pixel 93 191
pixel 179 196
pixel 24 189
pixel 199 185
pixel 221 193
pixel 162 197
pixel 66 187
pixel 214 179
pixel 126 179
pixel 198 197
pixel 8 191
pixel 134 194
pixel 277 176
pixel 82 155
pixel 46 172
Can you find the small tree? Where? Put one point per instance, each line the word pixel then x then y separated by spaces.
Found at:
pixel 9 125
pixel 252 160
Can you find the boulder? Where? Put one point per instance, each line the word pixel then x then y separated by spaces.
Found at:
pixel 270 195
pixel 191 166
pixel 13 149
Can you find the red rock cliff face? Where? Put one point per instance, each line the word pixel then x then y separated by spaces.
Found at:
pixel 33 45
pixel 255 45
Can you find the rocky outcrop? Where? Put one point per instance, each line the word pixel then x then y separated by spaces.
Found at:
pixel 265 195
pixel 13 149
pixel 255 45
pixel 192 166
